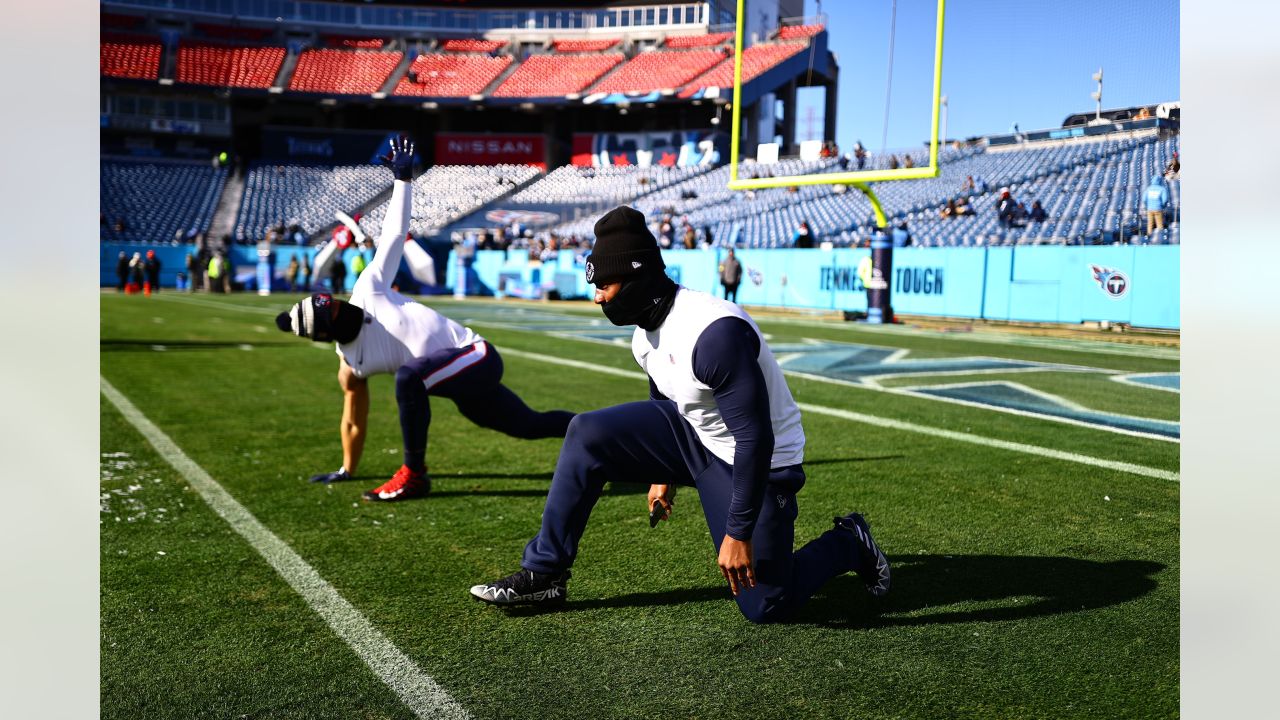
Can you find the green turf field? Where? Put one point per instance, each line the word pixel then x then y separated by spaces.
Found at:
pixel 1035 559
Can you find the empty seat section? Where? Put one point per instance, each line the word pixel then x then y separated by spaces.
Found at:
pixel 347 72
pixel 472 45
pixel 755 60
pixel 303 194
pixel 228 66
pixel 799 32
pixel 659 70
pixel 156 200
pixel 577 46
pixel 692 41
pixel 447 193
pixel 451 75
pixel 129 56
pixel 556 75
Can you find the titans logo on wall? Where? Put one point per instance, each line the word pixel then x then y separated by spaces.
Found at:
pixel 1113 282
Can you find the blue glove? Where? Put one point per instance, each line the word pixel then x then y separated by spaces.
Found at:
pixel 336 476
pixel 400 158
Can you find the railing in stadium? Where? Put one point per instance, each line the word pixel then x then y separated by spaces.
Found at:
pixel 673 15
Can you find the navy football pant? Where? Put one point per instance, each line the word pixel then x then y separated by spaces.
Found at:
pixel 650 443
pixel 472 378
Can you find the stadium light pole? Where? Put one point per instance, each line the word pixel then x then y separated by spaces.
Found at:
pixel 944 120
pixel 1097 96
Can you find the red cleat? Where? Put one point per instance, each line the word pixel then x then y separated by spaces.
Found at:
pixel 404 485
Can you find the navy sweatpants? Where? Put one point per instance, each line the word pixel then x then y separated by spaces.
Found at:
pixel 472 378
pixel 649 442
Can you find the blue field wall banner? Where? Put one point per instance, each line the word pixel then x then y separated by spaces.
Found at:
pixel 1137 285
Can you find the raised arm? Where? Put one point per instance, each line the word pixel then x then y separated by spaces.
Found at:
pixel 386 259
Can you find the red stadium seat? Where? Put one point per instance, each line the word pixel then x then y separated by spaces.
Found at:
pixel 355 43
pixel 755 60
pixel 228 66
pixel 452 75
pixel 799 32
pixel 577 46
pixel 660 70
pixel 129 56
pixel 472 45
pixel 347 72
pixel 556 75
pixel 691 41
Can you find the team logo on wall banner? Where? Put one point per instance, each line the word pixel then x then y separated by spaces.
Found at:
pixel 1113 282
pixel 528 218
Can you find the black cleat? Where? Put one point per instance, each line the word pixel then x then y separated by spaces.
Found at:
pixel 873 566
pixel 524 587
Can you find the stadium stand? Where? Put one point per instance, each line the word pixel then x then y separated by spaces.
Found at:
pixel 799 32
pixel 343 72
pixel 659 70
pixel 755 60
pixel 156 200
pixel 692 41
pixel 203 63
pixel 451 75
pixel 355 43
pixel 616 184
pixel 129 56
pixel 472 45
pixel 556 75
pixel 447 193
pixel 304 195
pixel 583 46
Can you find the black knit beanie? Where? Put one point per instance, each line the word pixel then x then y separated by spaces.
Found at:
pixel 624 247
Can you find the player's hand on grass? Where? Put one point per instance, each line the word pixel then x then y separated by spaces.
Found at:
pixel 736 564
pixel 336 476
pixel 400 157
pixel 662 498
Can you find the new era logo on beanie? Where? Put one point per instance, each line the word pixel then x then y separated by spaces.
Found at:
pixel 310 318
pixel 624 247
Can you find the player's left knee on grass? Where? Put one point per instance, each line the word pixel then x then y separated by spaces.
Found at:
pixel 762 609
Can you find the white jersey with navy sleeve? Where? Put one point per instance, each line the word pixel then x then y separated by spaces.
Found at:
pixel 667 355
pixel 396 329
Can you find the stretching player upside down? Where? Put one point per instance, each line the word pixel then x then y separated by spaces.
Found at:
pixel 381 331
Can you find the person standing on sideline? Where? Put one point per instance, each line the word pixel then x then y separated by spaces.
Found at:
pixel 1156 200
pixel 152 268
pixel 731 276
pixel 122 271
pixel 719 418
pixel 381 331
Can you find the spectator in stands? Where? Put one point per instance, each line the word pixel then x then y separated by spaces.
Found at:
pixel 967 185
pixel 1007 208
pixel 1037 212
pixel 119 225
pixel 950 211
pixel 291 273
pixel 979 185
pixel 1173 169
pixel 893 162
pixel 964 208
pixel 379 331
pixel 802 238
pixel 731 276
pixel 908 161
pixel 1156 199
pixel 122 271
pixel 152 267
pixel 707 237
pixel 901 236
pixel 690 237
pixel 860 153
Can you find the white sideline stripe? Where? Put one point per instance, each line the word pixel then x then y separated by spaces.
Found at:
pixel 415 688
pixel 901 425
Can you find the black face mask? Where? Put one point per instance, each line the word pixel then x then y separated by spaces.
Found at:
pixel 643 301
pixel 348 323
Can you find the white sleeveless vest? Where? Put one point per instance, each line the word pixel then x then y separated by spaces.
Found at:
pixel 667 356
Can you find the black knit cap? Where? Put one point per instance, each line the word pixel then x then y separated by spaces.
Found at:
pixel 624 247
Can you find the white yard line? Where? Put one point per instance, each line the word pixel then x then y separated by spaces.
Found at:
pixel 414 687
pixel 895 424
